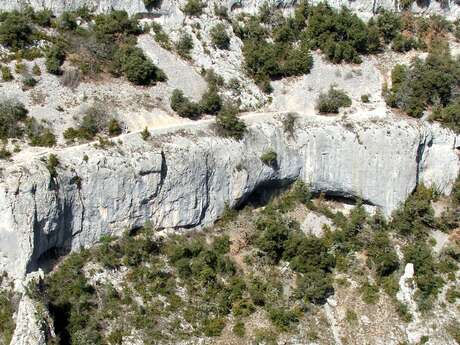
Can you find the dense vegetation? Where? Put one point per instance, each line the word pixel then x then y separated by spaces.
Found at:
pixel 332 100
pixel 188 286
pixel 14 123
pixel 94 121
pixel 7 310
pixel 106 43
pixel 426 83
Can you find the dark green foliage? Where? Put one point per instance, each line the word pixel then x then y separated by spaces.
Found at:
pixel 213 327
pixel 228 124
pixel 403 44
pixel 315 287
pixel 43 18
pixel 449 115
pixel 416 216
pixel 332 101
pixel 369 293
pixel 426 277
pixel 67 21
pixel 6 74
pixel 185 45
pixel 55 57
pixel 341 35
pixel 424 83
pixel 116 23
pixel 138 69
pixel 220 37
pixel 381 255
pixel 283 319
pixel 269 158
pixel 12 114
pixel 194 8
pixel 29 81
pixel 15 31
pixel 210 102
pixel 160 36
pixel 183 106
pixel 38 134
pixel 7 311
pixel 51 164
pixel 96 120
pixel 389 24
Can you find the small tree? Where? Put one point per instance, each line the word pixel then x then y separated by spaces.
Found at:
pixel 332 101
pixel 15 31
pixel 194 8
pixel 220 37
pixel 54 59
pixel 52 164
pixel 228 124
pixel 269 158
pixel 183 106
pixel 6 74
pixel 185 45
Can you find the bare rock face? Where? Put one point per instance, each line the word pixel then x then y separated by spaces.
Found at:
pixel 172 8
pixel 184 179
pixel 28 326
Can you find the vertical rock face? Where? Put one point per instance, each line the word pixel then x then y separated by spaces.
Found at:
pixel 28 327
pixel 185 179
pixel 171 8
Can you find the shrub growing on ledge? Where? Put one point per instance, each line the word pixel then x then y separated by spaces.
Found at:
pixel 194 8
pixel 183 106
pixel 269 158
pixel 138 69
pixel 228 124
pixel 12 113
pixel 220 37
pixel 15 31
pixel 332 101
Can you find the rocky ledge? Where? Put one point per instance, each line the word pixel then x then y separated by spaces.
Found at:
pixel 185 178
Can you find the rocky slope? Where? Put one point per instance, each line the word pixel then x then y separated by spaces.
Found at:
pixel 184 179
pixel 171 8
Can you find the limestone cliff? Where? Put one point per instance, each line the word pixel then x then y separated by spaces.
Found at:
pixel 171 8
pixel 184 178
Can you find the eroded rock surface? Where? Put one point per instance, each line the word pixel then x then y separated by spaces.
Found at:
pixel 183 179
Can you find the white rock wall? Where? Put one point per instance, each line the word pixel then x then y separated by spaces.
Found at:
pixel 184 179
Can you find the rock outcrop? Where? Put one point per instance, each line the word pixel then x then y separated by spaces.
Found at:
pixel 184 179
pixel 171 8
pixel 29 330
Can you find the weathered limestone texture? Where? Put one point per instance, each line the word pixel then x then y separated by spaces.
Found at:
pixel 184 179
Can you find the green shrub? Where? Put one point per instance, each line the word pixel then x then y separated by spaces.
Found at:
pixel 94 121
pixel 416 216
pixel 213 327
pixel 15 31
pixel 138 69
pixel 194 8
pixel 7 310
pixel 449 116
pixel 341 35
pixel 6 74
pixel 381 255
pixel 210 102
pixel 369 293
pixel 283 319
pixel 43 18
pixel 160 36
pixel 183 106
pixel 403 44
pixel 36 70
pixel 29 81
pixel 55 57
pixel 365 98
pixel 228 124
pixel 315 287
pixel 428 281
pixel 185 45
pixel 114 128
pixel 52 164
pixel 239 329
pixel 67 21
pixel 424 83
pixel 219 36
pixel 389 24
pixel 12 114
pixel 332 101
pixel 269 158
pixel 38 134
pixel 145 134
